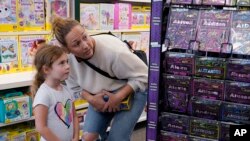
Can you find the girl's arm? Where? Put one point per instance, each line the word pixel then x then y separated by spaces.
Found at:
pixel 76 125
pixel 41 113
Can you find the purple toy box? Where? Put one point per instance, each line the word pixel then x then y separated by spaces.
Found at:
pixel 170 136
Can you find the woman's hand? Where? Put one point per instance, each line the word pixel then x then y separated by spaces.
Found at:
pixel 97 101
pixel 113 103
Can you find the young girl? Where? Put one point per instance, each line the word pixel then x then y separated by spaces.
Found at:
pixel 53 107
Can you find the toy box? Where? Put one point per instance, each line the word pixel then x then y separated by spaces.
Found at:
pixel 32 135
pixel 204 128
pixel 8 16
pixel 14 107
pixel 238 70
pixel 237 92
pixel 107 16
pixel 210 67
pixel 137 20
pixel 146 10
pixel 179 63
pixel 31 15
pixel 9 58
pixel 28 48
pixel 209 88
pixel 170 136
pixel 181 28
pixel 123 16
pixel 205 108
pixel 56 7
pixel 89 16
pixel 214 2
pixel 174 123
pixel 181 1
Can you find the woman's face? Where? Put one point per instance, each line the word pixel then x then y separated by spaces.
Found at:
pixel 80 43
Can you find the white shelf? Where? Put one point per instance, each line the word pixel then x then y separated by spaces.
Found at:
pixel 25 33
pixel 20 121
pixel 144 1
pixel 118 31
pixel 82 106
pixel 15 80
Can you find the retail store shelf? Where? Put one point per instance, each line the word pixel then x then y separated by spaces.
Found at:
pixel 25 33
pixel 117 31
pixel 82 106
pixel 143 1
pixel 20 121
pixel 16 80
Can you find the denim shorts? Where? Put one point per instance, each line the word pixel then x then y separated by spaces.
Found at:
pixel 123 121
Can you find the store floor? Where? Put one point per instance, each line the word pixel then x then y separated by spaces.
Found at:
pixel 139 133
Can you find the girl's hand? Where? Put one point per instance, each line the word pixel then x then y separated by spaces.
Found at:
pixel 97 101
pixel 113 103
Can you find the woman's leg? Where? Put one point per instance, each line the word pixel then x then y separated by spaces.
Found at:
pixel 95 124
pixel 124 121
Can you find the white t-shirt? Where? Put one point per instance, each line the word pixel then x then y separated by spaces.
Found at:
pixel 60 112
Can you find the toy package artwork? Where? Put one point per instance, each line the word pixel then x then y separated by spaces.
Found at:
pixel 205 108
pixel 237 113
pixel 136 37
pixel 210 67
pixel 56 7
pixel 238 70
pixel 213 2
pixel 146 10
pixel 28 48
pixel 237 92
pixel 89 16
pixel 243 2
pixel 181 28
pixel 107 16
pixel 137 18
pixel 15 107
pixel 181 1
pixel 32 135
pixel 31 15
pixel 177 91
pixel 204 128
pixel 175 123
pixel 18 136
pixel 170 136
pixel 213 30
pixel 179 63
pixel 8 16
pixel 9 54
pixel 123 16
pixel 209 88
pixel 240 32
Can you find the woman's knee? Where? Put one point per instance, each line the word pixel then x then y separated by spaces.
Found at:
pixel 90 136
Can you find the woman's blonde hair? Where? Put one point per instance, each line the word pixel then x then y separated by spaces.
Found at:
pixel 61 27
pixel 45 56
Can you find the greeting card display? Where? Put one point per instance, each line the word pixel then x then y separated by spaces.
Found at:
pixel 181 28
pixel 213 30
pixel 170 136
pixel 175 123
pixel 89 16
pixel 179 64
pixel 8 15
pixel 238 92
pixel 209 88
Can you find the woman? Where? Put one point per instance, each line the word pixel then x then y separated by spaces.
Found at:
pixel 111 55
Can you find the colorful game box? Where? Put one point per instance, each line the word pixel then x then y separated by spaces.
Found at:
pixel 181 28
pixel 9 54
pixel 179 63
pixel 123 16
pixel 204 128
pixel 107 16
pixel 8 16
pixel 209 88
pixel 238 92
pixel 238 70
pixel 56 7
pixel 31 15
pixel 214 27
pixel 170 136
pixel 89 16
pixel 240 32
pixel 174 123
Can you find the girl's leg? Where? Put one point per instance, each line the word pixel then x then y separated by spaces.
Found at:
pixel 124 121
pixel 95 124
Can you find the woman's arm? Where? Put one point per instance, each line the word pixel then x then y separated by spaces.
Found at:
pixel 41 113
pixel 76 125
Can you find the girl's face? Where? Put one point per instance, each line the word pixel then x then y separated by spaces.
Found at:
pixel 80 43
pixel 59 69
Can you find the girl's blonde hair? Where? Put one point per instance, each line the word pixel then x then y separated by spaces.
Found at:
pixel 61 27
pixel 45 56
